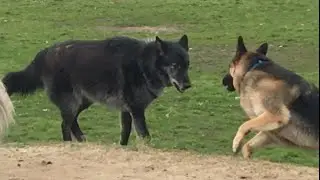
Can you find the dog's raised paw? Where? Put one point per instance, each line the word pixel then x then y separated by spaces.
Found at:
pixel 236 150
pixel 237 142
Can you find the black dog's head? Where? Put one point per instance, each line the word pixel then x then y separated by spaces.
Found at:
pixel 173 60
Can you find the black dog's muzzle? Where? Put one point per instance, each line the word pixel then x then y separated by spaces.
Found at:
pixel 186 86
pixel 181 88
pixel 227 82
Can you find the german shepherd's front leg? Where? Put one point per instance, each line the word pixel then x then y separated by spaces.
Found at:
pixel 259 140
pixel 140 125
pixel 263 139
pixel 265 122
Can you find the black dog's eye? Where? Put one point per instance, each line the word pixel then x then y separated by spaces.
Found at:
pixel 174 66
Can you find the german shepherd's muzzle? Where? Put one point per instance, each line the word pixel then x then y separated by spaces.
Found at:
pixel 227 82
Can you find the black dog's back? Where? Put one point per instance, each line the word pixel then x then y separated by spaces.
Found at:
pixel 100 65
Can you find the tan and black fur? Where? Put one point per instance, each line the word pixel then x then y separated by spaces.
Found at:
pixel 283 108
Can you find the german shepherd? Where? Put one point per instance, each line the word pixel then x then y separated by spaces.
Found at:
pixel 122 72
pixel 282 106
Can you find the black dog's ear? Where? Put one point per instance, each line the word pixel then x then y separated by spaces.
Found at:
pixel 184 42
pixel 161 46
pixel 263 49
pixel 241 48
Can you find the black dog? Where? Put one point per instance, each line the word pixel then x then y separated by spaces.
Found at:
pixel 122 72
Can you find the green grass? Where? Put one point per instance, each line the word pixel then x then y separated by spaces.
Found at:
pixel 203 119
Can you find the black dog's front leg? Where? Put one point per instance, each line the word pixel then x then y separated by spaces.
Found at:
pixel 140 125
pixel 126 123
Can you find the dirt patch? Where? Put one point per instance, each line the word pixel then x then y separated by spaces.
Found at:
pixel 150 29
pixel 67 162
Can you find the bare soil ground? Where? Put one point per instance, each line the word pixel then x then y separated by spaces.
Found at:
pixel 67 162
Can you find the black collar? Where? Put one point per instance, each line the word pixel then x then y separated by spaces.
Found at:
pixel 257 63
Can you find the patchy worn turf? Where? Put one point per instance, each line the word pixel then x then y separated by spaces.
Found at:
pixel 205 118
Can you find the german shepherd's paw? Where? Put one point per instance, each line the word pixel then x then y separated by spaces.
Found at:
pixel 246 151
pixel 237 141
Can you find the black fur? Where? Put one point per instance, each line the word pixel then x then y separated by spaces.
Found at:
pixel 121 72
pixel 28 80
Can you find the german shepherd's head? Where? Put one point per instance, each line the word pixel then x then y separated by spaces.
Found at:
pixel 174 62
pixel 243 62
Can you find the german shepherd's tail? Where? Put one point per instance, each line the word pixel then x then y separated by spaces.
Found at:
pixel 6 109
pixel 27 80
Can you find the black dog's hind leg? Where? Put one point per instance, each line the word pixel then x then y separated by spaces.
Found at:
pixel 75 128
pixel 126 126
pixel 67 120
pixel 69 106
pixel 140 125
pixel 63 95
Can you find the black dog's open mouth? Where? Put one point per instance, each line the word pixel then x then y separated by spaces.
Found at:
pixel 177 87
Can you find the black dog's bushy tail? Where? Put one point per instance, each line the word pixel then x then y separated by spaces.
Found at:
pixel 27 80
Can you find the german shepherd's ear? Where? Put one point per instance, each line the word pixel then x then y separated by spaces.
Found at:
pixel 184 42
pixel 161 46
pixel 241 48
pixel 263 49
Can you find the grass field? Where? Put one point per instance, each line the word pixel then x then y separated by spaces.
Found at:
pixel 203 119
